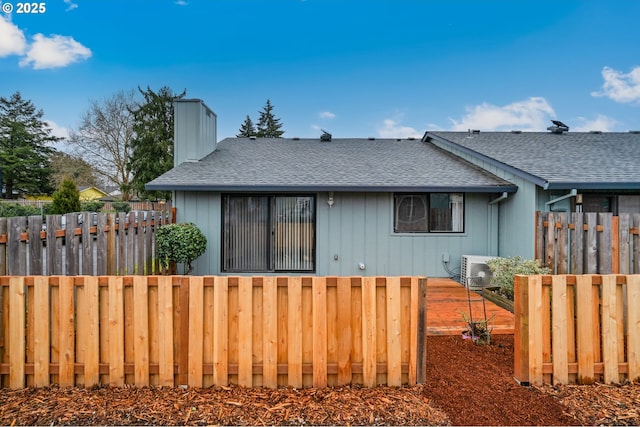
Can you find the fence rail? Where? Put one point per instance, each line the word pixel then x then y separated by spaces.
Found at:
pixel 108 206
pixel 577 329
pixel 87 243
pixel 588 243
pixel 204 331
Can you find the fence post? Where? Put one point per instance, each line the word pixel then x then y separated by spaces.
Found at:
pixel 17 331
pixel 539 237
pixel 633 321
pixel 584 333
pixel 111 244
pixel 3 246
pixel 521 337
pixel 421 374
pixel 16 248
pixel 183 336
pixel 615 244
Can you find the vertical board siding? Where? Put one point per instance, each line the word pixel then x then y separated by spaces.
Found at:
pixel 252 331
pixel 602 344
pixel 98 245
pixel 588 243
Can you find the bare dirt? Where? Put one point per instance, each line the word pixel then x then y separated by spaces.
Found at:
pixel 467 385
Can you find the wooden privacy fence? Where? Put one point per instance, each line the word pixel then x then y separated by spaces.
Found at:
pixel 204 331
pixel 577 329
pixel 588 243
pixel 87 243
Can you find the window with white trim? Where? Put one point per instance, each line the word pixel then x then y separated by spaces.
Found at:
pixel 428 213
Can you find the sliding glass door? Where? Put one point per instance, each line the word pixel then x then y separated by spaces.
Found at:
pixel 268 233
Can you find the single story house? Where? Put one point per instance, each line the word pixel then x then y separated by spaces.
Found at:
pixel 88 194
pixel 333 206
pixel 557 171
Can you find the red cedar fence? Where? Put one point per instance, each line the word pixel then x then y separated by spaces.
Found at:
pixel 204 331
pixel 87 243
pixel 588 243
pixel 577 329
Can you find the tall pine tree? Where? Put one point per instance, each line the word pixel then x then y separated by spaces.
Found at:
pixel 24 150
pixel 152 145
pixel 268 125
pixel 247 129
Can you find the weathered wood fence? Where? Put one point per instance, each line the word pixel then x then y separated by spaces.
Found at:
pixel 588 243
pixel 203 331
pixel 87 243
pixel 577 329
pixel 134 206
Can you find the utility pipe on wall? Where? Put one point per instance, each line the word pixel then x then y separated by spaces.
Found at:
pixel 572 193
pixel 499 199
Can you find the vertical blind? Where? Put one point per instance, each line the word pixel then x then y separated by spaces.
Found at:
pixel 246 234
pixel 294 236
pixel 269 233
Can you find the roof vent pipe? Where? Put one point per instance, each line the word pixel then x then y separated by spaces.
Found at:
pixel 558 127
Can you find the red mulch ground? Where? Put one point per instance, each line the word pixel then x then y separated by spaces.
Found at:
pixel 467 385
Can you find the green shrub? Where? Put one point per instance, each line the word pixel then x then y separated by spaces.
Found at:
pixel 92 206
pixel 179 243
pixel 15 209
pixel 66 198
pixel 121 207
pixel 504 270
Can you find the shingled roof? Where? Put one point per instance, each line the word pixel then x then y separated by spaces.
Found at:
pixel 291 164
pixel 555 161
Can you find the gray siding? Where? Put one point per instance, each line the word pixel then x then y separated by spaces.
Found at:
pixel 194 131
pixel 359 229
pixel 204 210
pixel 516 216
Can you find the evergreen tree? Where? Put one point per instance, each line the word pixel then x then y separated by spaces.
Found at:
pixel 247 129
pixel 24 150
pixel 66 199
pixel 268 125
pixel 152 146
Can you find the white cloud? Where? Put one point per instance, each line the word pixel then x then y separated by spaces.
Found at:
pixel 316 127
pixel 529 115
pixel 71 4
pixel 53 52
pixel 57 130
pixel 601 123
pixel 619 86
pixel 327 115
pixel 181 3
pixel 12 40
pixel 393 129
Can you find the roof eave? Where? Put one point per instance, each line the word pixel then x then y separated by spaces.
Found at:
pixel 337 188
pixel 560 185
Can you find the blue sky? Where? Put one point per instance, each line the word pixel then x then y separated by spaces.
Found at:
pixel 355 68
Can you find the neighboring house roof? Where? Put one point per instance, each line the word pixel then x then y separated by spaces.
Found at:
pixel 555 161
pixel 285 164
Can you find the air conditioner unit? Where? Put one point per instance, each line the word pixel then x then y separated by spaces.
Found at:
pixel 474 271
